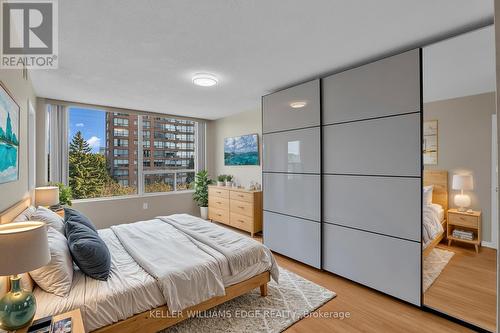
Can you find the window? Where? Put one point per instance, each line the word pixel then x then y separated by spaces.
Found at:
pixel 120 132
pixel 120 121
pixel 111 147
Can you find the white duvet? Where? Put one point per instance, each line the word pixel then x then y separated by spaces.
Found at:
pixel 189 256
pixel 170 254
pixel 432 216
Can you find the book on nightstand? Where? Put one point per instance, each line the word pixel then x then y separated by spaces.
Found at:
pixel 62 326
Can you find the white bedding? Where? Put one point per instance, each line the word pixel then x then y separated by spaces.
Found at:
pixel 129 289
pixel 433 215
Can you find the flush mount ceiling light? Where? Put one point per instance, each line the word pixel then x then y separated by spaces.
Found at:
pixel 298 104
pixel 204 80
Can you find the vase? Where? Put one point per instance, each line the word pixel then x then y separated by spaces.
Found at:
pixel 204 212
pixel 229 184
pixel 220 183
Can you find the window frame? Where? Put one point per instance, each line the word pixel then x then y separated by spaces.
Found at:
pixel 140 150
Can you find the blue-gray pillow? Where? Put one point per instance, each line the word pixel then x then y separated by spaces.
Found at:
pixel 88 250
pixel 74 215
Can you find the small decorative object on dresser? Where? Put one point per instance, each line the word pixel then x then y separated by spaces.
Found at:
pixel 461 225
pixel 229 180
pixel 221 180
pixel 238 208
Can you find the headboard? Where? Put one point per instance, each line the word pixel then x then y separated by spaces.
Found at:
pixel 438 178
pixel 11 213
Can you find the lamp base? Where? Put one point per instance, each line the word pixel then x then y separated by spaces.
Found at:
pixel 17 307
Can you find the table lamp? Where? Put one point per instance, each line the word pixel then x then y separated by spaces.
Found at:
pixel 462 182
pixel 47 196
pixel 23 247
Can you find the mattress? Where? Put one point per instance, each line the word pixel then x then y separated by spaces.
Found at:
pixel 129 289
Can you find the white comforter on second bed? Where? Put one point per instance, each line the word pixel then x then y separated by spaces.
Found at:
pixel 433 215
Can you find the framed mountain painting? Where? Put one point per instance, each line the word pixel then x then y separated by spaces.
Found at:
pixel 242 150
pixel 9 137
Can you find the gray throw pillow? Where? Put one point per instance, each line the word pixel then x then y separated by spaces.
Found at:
pixel 76 216
pixel 88 250
pixel 53 220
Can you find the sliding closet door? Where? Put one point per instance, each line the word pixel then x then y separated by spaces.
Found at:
pixel 372 175
pixel 291 172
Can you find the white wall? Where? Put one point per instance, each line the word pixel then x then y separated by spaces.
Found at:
pixel 248 122
pixel 22 92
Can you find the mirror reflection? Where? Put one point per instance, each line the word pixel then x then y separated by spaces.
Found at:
pixel 460 176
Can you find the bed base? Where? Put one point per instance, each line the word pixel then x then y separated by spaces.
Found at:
pixel 436 241
pixel 159 318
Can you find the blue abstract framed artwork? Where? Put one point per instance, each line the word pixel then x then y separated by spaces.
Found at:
pixel 9 137
pixel 242 150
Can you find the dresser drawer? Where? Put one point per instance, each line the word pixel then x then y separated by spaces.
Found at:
pixel 218 215
pixel 241 196
pixel 218 192
pixel 463 220
pixel 241 207
pixel 218 202
pixel 242 222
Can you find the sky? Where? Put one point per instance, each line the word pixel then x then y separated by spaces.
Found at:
pixel 92 124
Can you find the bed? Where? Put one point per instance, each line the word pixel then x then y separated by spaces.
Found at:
pixel 135 298
pixel 437 210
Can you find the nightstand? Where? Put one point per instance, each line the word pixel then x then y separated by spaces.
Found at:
pixel 60 212
pixel 76 321
pixel 464 221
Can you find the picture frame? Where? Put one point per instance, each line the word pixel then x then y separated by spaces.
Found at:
pixel 430 142
pixel 242 150
pixel 9 136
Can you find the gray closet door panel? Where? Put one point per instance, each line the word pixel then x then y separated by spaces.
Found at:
pixel 293 194
pixel 388 146
pixel 292 151
pixel 296 238
pixel 278 115
pixel 386 87
pixel 384 263
pixel 386 205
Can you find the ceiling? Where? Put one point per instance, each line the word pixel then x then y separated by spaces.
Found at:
pixel 142 54
pixel 460 66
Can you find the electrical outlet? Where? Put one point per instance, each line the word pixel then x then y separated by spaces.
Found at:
pixel 145 205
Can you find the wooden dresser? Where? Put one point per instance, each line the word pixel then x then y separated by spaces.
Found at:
pixel 236 207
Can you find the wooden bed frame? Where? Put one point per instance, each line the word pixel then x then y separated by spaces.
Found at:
pixel 438 178
pixel 160 318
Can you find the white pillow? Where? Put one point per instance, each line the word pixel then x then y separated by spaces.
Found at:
pixel 57 276
pixel 25 215
pixel 53 220
pixel 427 195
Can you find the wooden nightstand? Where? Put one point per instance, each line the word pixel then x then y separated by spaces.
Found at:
pixel 76 321
pixel 60 212
pixel 464 221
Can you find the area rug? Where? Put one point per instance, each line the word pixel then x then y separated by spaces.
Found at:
pixel 434 264
pixel 287 302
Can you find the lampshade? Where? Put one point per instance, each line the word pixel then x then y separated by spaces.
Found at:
pixel 47 196
pixel 462 182
pixel 23 247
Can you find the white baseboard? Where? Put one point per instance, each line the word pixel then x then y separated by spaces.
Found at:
pixel 489 244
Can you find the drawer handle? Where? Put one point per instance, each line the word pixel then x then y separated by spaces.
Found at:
pixel 241 207
pixel 219 215
pixel 218 192
pixel 241 196
pixel 220 203
pixel 241 221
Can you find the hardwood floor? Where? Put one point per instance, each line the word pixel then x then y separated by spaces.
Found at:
pixel 370 311
pixel 466 288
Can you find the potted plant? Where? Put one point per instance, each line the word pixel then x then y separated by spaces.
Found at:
pixel 65 195
pixel 220 180
pixel 200 195
pixel 229 180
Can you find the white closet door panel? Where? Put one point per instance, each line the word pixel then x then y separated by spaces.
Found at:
pixel 293 194
pixel 388 146
pixel 386 87
pixel 384 263
pixel 387 205
pixel 292 151
pixel 279 115
pixel 293 237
